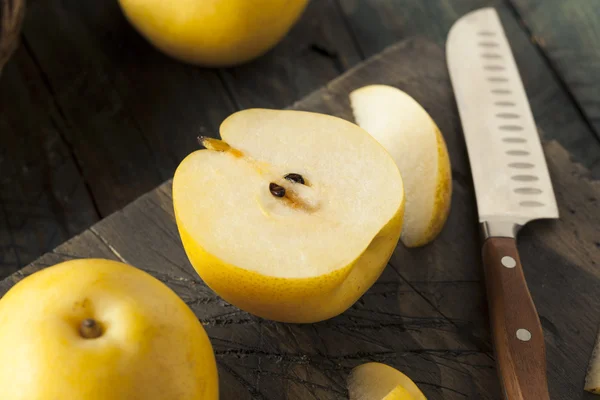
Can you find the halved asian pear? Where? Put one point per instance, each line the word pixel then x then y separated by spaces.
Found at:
pixel 292 216
pixel 415 143
pixel 376 381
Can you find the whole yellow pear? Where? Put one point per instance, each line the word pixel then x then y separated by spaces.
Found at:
pixel 94 329
pixel 213 32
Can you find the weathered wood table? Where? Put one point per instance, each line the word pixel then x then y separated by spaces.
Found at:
pixel 426 315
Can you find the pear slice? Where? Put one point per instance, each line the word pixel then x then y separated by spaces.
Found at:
pixel 293 216
pixel 592 377
pixel 415 143
pixel 398 393
pixel 376 381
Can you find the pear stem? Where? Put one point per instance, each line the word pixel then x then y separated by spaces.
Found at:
pixel 90 329
pixel 213 144
pixel 218 145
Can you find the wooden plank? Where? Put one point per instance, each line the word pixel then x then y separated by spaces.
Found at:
pixel 426 315
pixel 568 291
pixel 317 49
pixel 11 18
pixel 43 197
pixel 557 117
pixel 129 112
pixel 567 32
pixel 378 23
pixel 85 245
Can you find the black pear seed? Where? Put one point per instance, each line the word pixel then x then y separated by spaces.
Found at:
pixel 295 178
pixel 276 190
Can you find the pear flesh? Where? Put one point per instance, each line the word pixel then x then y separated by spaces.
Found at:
pixel 417 146
pixel 292 216
pixel 376 381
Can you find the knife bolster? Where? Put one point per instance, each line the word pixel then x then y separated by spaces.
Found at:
pixel 490 229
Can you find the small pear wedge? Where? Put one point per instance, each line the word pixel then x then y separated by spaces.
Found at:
pixel 376 381
pixel 417 146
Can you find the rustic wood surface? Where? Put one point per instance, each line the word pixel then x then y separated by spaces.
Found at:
pixel 426 315
pixel 568 35
pixel 11 19
pixel 92 116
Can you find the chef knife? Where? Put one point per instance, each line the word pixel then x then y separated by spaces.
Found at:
pixel 512 187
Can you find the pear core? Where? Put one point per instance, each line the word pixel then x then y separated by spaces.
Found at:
pixel 223 199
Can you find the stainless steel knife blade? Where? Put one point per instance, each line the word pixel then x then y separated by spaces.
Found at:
pixel 512 187
pixel 511 178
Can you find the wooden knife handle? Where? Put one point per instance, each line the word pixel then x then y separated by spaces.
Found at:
pixel 516 328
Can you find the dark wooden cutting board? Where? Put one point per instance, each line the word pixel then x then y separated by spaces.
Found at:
pixel 427 314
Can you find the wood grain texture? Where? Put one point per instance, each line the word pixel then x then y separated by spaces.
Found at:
pixel 551 103
pixel 568 34
pixel 11 19
pixel 85 245
pixel 43 197
pixel 426 315
pixel 515 325
pixel 317 49
pixel 127 110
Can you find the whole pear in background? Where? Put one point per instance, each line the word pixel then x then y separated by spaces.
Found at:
pixel 213 33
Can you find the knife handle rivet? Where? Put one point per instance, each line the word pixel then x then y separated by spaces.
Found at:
pixel 523 335
pixel 508 262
